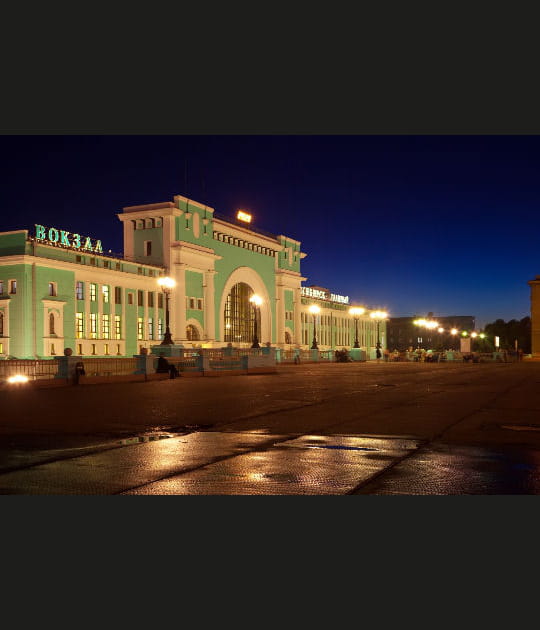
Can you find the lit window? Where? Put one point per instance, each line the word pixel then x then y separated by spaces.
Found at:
pixel 93 326
pixel 52 288
pixel 79 326
pixel 93 292
pixel 140 328
pixel 160 329
pixel 118 328
pixel 105 290
pixel 150 328
pixel 106 326
pixel 79 290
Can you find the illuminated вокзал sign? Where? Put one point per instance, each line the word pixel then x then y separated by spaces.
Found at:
pixel 324 295
pixel 61 237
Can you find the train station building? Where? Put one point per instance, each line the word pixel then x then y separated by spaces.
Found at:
pixel 61 290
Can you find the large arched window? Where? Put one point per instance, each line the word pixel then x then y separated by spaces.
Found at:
pixel 192 334
pixel 240 314
pixel 288 337
pixel 51 324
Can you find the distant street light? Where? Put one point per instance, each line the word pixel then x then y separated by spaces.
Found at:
pixel 166 285
pixel 355 311
pixel 256 300
pixel 314 310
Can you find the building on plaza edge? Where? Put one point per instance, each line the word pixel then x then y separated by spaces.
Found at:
pixel 59 289
pixel 535 316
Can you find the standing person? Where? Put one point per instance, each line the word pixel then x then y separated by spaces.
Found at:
pixel 378 355
pixel 162 364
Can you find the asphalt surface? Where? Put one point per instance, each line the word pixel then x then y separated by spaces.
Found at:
pixel 387 428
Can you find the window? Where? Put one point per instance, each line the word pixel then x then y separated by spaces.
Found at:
pixel 192 303
pixel 79 290
pixel 150 299
pixel 106 326
pixel 160 300
pixel 93 326
pixel 12 287
pixel 139 271
pixel 52 288
pixel 79 348
pixel 51 324
pixel 117 266
pixel 79 326
pixel 1 287
pixel 140 328
pixel 105 290
pixel 192 333
pixel 1 348
pixel 53 351
pixel 93 292
pixel 93 348
pixel 118 295
pixel 118 328
pixel 1 324
pixel 147 248
pixel 150 328
pixel 130 298
pixel 106 349
pixel 160 329
pixel 78 259
pixel 93 263
pixel 140 297
pixel 107 265
pixel 200 304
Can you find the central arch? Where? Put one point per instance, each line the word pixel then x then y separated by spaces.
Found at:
pixel 253 284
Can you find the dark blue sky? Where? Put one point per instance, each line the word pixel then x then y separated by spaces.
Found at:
pixel 448 224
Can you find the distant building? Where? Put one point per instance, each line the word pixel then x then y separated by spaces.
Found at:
pixel 402 333
pixel 535 315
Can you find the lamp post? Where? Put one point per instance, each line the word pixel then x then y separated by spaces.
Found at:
pixel 314 309
pixel 256 301
pixel 166 285
pixel 378 316
pixel 355 311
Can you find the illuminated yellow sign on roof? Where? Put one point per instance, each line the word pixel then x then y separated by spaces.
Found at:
pixel 243 216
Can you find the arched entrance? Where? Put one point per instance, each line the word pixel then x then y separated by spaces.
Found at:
pixel 192 333
pixel 239 315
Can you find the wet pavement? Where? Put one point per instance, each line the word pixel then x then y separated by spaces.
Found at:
pixel 316 430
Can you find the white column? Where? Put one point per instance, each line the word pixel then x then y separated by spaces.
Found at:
pixel 209 306
pixel 177 304
pixel 280 315
pixel 297 338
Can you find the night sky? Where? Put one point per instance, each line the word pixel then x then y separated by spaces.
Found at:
pixel 412 224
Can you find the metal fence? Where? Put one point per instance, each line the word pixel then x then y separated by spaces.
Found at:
pixel 32 368
pixel 109 367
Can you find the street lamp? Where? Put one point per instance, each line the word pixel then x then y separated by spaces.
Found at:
pixel 378 316
pixel 166 285
pixel 314 309
pixel 256 300
pixel 355 311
